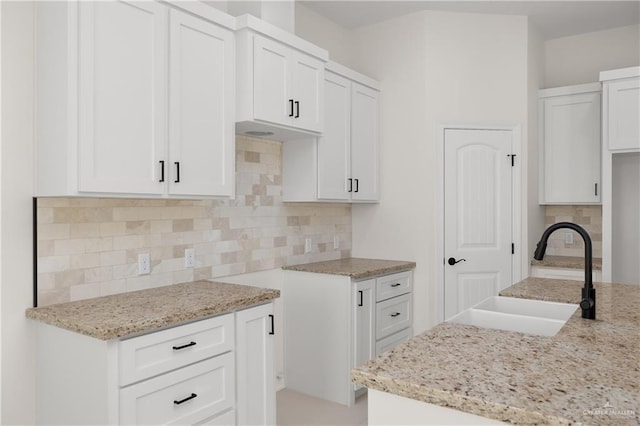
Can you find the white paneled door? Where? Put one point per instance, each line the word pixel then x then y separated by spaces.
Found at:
pixel 477 216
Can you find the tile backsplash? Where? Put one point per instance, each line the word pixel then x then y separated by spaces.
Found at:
pixel 589 217
pixel 88 247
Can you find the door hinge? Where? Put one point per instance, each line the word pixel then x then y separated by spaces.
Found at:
pixel 513 248
pixel 513 159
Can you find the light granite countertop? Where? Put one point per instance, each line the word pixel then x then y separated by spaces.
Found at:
pixel 587 373
pixel 571 262
pixel 127 314
pixel 354 267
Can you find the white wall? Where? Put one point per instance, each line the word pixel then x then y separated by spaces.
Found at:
pixel 579 59
pixel 16 279
pixel 319 30
pixel 535 213
pixel 434 67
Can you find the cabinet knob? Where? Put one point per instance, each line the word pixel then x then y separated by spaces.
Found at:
pixel 297 109
pixel 290 107
pixel 350 185
pixel 395 314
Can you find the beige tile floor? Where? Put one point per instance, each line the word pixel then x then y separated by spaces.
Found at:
pixel 296 409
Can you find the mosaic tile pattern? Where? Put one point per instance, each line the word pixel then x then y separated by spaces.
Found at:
pixel 589 217
pixel 88 247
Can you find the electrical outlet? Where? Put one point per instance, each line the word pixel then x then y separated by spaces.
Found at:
pixel 144 263
pixel 568 238
pixel 307 245
pixel 189 258
pixel 336 242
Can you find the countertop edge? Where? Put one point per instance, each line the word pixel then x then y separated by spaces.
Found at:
pixel 371 267
pixel 143 324
pixel 467 404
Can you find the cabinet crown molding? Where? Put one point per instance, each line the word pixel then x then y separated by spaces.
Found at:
pixel 620 73
pixel 250 22
pixel 570 90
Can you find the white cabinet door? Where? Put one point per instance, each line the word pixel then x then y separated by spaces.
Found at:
pixel 348 148
pixel 570 149
pixel 201 84
pixel 122 80
pixel 272 98
pixel 288 86
pixel 623 114
pixel 364 143
pixel 255 373
pixel 307 91
pixel 364 322
pixel 334 146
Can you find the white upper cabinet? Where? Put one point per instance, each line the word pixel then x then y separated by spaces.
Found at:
pixel 334 147
pixel 342 164
pixel 121 116
pixel 280 82
pixel 570 149
pixel 621 109
pixel 364 143
pixel 201 107
pixel 133 99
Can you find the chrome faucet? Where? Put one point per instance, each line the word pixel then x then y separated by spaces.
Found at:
pixel 588 302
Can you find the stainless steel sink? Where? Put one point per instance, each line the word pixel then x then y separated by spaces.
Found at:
pixel 514 314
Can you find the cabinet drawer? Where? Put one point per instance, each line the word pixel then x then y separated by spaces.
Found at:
pixel 190 395
pixel 227 418
pixel 392 341
pixel 393 285
pixel 156 353
pixel 393 315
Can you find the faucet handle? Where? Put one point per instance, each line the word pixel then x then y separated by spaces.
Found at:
pixel 586 303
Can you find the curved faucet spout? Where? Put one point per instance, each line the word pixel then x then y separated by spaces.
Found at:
pixel 588 303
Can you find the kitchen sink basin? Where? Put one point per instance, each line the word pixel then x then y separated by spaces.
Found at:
pixel 514 314
pixel 528 307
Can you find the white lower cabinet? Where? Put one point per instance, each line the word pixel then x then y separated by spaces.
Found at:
pixel 217 371
pixel 333 324
pixel 255 375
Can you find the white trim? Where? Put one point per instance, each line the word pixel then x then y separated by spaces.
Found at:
pixel 620 73
pixel 350 74
pixel 269 30
pixel 516 194
pixel 569 90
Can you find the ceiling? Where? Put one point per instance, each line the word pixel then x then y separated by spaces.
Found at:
pixel 553 18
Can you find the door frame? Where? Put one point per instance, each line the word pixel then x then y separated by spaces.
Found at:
pixel 516 200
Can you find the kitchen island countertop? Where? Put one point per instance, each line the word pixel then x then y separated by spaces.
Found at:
pixel 569 262
pixel 356 268
pixel 587 373
pixel 128 314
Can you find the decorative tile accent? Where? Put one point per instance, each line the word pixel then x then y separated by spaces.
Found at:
pixel 89 247
pixel 589 217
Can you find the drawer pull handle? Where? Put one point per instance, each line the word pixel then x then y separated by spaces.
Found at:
pixel 395 285
pixel 273 326
pixel 193 395
pixel 177 348
pixel 395 314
